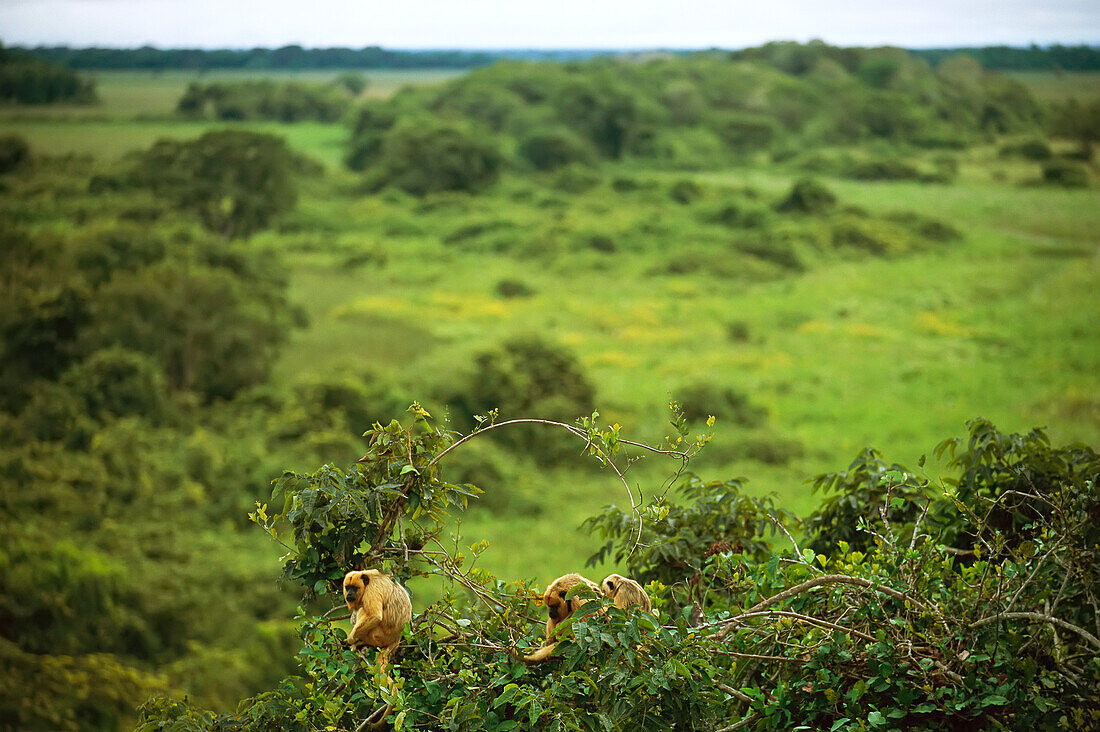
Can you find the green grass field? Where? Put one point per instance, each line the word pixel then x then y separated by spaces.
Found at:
pixel 1053 86
pixel 895 353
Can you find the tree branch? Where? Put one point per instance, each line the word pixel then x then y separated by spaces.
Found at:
pixel 1093 640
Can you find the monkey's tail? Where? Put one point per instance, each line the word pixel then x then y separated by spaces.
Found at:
pixel 541 654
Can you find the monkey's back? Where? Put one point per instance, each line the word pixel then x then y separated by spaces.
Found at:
pixel 396 614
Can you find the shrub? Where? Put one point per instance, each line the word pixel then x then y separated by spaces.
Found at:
pixel 527 376
pixel 807 196
pixel 368 131
pixel 703 399
pixel 745 132
pixel 14 151
pixel 428 157
pixel 514 288
pixel 601 243
pixel 685 191
pixel 737 331
pixel 575 178
pixel 1033 149
pixel 778 250
pixel 1066 174
pixel 551 148
pixel 882 169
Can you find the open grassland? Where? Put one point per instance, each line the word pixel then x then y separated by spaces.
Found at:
pixel 1051 86
pixel 894 352
pixel 138 107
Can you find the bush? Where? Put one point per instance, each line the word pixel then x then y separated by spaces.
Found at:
pixel 744 132
pixel 527 376
pixel 882 169
pixel 554 147
pixel 514 288
pixel 429 157
pixel 685 191
pixel 701 400
pixel 1034 149
pixel 879 238
pixel 807 196
pixel 601 243
pixel 1066 174
pixel 14 151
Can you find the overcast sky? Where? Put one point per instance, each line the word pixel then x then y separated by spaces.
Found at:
pixel 557 24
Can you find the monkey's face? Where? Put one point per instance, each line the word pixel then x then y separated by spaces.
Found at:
pixel 355 583
pixel 557 605
pixel 611 585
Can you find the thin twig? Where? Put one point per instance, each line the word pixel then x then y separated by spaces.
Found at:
pixel 731 622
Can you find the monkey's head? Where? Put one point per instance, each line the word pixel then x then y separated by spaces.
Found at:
pixel 611 584
pixel 356 583
pixel 558 605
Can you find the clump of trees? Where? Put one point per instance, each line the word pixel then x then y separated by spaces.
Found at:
pixel 707 109
pixel 1079 122
pixel 139 427
pixel 899 604
pixel 269 100
pixel 235 182
pixel 26 79
pixel 426 156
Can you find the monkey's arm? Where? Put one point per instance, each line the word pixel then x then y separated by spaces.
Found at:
pixel 365 622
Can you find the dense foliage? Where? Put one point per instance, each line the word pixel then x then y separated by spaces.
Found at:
pixel 138 429
pixel 969 604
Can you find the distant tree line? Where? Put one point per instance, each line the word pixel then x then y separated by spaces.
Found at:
pixel 1003 58
pixel 287 57
pixel 25 79
pixel 1032 58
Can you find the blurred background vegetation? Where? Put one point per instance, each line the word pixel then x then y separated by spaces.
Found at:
pixel 208 279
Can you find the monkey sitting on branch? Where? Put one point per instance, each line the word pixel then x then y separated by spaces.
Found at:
pixel 559 608
pixel 625 592
pixel 380 610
